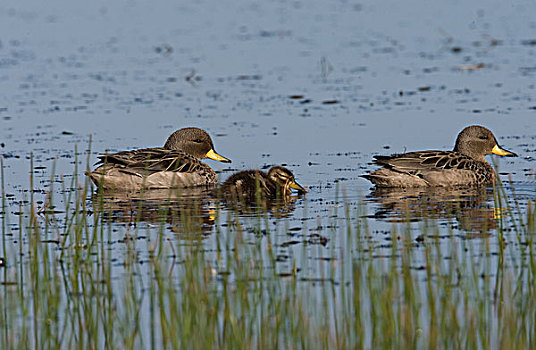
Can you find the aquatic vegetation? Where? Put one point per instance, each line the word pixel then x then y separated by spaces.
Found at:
pixel 68 281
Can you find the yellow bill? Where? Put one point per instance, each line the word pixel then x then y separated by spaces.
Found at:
pixel 502 152
pixel 295 186
pixel 215 156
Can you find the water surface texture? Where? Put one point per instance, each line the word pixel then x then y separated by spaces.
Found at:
pixel 317 86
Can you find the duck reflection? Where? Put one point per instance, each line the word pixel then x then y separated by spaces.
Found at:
pixel 188 210
pixel 469 206
pixel 277 208
pixel 252 191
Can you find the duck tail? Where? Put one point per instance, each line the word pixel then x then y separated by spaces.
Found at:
pixel 378 179
pixel 372 178
pixel 94 177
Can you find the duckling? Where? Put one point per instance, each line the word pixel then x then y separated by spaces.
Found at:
pixel 177 164
pixel 249 185
pixel 463 166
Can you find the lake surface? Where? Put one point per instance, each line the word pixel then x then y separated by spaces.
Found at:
pixel 319 87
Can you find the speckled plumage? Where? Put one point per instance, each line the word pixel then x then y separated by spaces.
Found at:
pixel 177 164
pixel 247 185
pixel 464 166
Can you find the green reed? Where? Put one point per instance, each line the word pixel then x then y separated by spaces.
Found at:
pixel 77 278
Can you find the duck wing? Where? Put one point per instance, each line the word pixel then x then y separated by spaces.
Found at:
pixel 415 163
pixel 151 160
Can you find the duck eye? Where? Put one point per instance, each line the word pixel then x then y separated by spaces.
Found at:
pixel 483 137
pixel 198 141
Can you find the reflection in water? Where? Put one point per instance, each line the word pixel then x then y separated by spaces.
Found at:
pixel 469 206
pixel 186 210
pixel 278 208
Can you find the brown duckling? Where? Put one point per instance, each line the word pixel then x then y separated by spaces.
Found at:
pixel 252 184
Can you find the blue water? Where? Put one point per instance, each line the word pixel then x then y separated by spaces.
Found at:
pixel 317 86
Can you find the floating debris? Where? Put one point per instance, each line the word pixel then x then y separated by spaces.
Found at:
pixel 531 42
pixel 330 102
pixel 289 243
pixel 316 238
pixel 53 241
pixel 471 66
pixel 249 77
pixel 164 49
pixel 192 78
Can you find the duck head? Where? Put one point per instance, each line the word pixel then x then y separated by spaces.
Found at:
pixel 284 179
pixel 196 142
pixel 477 141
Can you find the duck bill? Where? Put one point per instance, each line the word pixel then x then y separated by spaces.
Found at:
pixel 502 152
pixel 215 156
pixel 298 187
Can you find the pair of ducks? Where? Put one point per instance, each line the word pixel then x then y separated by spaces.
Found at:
pixel 178 164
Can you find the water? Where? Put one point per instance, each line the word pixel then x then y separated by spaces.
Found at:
pixel 319 87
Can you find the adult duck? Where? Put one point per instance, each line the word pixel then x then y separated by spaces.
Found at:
pixel 463 166
pixel 177 164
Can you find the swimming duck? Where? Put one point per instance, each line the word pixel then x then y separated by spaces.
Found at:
pixel 177 164
pixel 463 166
pixel 247 185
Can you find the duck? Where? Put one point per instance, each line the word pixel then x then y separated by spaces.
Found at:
pixel 177 164
pixel 463 166
pixel 250 185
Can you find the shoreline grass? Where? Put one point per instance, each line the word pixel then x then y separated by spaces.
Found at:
pixel 76 279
